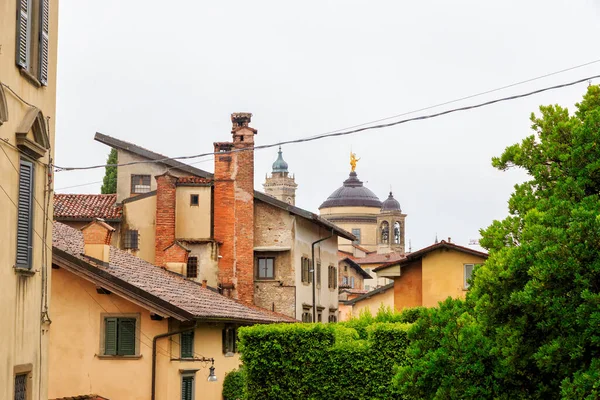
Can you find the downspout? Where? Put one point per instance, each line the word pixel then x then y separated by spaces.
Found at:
pixel 163 335
pixel 314 276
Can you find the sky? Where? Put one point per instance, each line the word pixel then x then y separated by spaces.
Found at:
pixel 167 78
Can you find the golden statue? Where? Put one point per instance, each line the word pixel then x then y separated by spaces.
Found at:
pixel 353 161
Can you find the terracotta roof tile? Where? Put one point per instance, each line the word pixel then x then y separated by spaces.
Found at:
pixel 194 180
pixel 86 206
pixel 375 258
pixel 168 286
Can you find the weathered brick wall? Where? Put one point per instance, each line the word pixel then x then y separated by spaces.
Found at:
pixel 272 226
pixel 165 216
pixel 96 233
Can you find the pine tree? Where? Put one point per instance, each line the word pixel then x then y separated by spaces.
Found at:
pixel 109 184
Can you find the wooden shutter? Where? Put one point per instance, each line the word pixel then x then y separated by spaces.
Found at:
pixel 44 42
pixel 126 337
pixel 110 336
pixel 224 334
pixel 23 33
pixel 187 387
pixel 235 339
pixel 310 274
pixel 186 343
pixel 25 214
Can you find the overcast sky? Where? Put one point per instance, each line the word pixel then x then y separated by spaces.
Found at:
pixel 166 76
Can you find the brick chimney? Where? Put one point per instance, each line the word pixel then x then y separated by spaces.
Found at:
pixel 165 216
pixel 234 208
pixel 96 239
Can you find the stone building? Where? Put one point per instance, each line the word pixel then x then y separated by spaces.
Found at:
pixel 280 184
pixel 216 228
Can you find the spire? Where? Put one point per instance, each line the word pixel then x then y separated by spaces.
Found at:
pixel 280 165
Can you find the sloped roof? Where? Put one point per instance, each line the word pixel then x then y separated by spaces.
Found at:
pixel 374 258
pixel 86 207
pixel 370 294
pixel 356 267
pixel 436 246
pixel 180 297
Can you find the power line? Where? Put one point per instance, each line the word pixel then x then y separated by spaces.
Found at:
pixel 342 133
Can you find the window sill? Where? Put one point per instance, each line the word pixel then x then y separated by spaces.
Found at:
pixel 30 77
pixel 24 271
pixel 185 359
pixel 105 357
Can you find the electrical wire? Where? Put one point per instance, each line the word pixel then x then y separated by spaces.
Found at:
pixel 341 133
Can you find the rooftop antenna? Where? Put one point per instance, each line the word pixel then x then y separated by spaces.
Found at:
pixel 436 239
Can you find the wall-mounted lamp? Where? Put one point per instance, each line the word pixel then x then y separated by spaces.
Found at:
pixel 211 375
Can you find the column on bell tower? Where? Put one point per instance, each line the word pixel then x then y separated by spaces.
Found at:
pixel 280 184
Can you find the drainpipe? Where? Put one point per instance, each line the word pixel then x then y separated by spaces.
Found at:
pixel 163 335
pixel 314 276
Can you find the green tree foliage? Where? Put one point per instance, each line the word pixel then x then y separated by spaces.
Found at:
pixel 536 301
pixel 322 361
pixel 234 385
pixel 109 184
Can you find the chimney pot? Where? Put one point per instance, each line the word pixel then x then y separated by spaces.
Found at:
pixel 449 239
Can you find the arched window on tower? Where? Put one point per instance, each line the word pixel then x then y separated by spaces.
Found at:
pixel 396 232
pixel 385 232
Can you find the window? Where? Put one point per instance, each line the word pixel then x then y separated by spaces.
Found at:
pixel 345 268
pixel 32 38
pixel 356 232
pixel 468 274
pixel 397 232
pixel 25 214
pixel 352 282
pixel 186 344
pixel 192 267
pixel 367 287
pixel 119 336
pixel 140 183
pixel 187 387
pixel 345 280
pixel 266 268
pixel 318 273
pixel 131 239
pixel 306 272
pixel 194 200
pixel 229 340
pixel 332 282
pixel 21 387
pixel 332 318
pixel 306 316
pixel 319 317
pixel 385 232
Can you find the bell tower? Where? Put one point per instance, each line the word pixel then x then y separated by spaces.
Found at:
pixel 390 227
pixel 281 185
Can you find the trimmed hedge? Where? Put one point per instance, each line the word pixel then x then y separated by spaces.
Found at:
pixel 234 385
pixel 353 360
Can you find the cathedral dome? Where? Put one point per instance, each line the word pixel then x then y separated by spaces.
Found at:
pixel 391 204
pixel 352 194
pixel 280 165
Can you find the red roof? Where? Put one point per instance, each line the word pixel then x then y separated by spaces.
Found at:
pixel 86 206
pixel 374 258
pixel 193 180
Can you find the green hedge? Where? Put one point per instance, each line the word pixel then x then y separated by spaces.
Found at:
pixel 234 385
pixel 353 360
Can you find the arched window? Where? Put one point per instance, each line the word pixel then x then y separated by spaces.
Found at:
pixel 385 232
pixel 397 232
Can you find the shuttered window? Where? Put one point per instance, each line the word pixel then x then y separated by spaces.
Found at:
pixel 229 340
pixel 119 336
pixel 44 43
pixel 306 273
pixel 186 344
pixel 318 273
pixel 332 281
pixel 187 387
pixel 25 215
pixel 23 33
pixel 21 387
pixel 29 30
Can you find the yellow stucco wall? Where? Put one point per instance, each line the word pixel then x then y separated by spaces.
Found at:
pixel 368 230
pixel 141 215
pixel 374 303
pixel 193 222
pixel 443 275
pixel 23 339
pixel 75 367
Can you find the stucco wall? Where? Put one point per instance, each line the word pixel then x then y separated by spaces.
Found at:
pixel 408 287
pixel 207 261
pixel 23 339
pixel 347 271
pixel 193 222
pixel 75 367
pixel 373 303
pixel 342 217
pixel 443 275
pixel 141 215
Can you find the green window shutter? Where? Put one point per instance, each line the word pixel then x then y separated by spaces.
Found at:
pixel 110 336
pixel 126 337
pixel 44 41
pixel 25 213
pixel 186 344
pixel 187 388
pixel 23 33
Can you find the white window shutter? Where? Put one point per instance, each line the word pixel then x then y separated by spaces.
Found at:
pixel 23 33
pixel 44 42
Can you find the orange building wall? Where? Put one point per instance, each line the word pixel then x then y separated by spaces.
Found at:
pixel 408 287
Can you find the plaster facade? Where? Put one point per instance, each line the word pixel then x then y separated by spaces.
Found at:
pixel 24 294
pixel 374 303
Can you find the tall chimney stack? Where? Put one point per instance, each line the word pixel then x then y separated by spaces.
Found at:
pixel 165 216
pixel 234 208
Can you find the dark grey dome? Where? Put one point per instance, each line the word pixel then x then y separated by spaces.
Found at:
pixel 279 165
pixel 391 204
pixel 352 194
